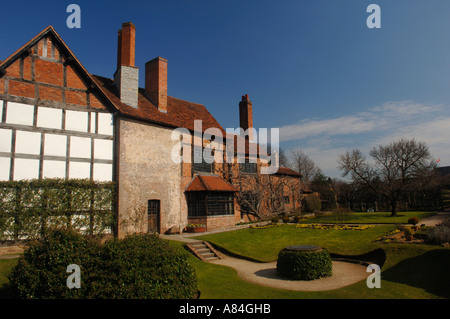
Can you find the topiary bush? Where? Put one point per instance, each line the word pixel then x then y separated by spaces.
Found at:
pixel 304 264
pixel 139 266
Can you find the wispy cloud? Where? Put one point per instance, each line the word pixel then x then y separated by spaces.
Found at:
pixel 324 140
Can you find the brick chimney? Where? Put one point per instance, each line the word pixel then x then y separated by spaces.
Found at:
pixel 156 82
pixel 246 116
pixel 126 77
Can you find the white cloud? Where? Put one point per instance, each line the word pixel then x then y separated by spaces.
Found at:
pixel 324 140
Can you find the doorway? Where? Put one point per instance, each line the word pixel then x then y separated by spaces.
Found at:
pixel 154 216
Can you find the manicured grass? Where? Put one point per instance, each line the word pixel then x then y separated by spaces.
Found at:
pixel 372 218
pixel 5 268
pixel 264 244
pixel 410 272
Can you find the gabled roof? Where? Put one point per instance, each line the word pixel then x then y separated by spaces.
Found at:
pixel 209 183
pixel 180 113
pixel 65 50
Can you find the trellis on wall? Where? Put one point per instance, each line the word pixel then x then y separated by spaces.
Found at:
pixel 29 208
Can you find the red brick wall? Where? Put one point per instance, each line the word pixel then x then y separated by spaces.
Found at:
pixel 214 222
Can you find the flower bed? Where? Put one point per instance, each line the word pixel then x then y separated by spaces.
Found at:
pixel 265 226
pixel 335 227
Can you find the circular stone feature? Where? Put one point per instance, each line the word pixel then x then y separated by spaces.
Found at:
pixel 304 262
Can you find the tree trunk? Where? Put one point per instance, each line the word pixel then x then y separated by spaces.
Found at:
pixel 394 208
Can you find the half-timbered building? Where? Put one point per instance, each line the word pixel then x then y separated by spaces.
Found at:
pixel 59 121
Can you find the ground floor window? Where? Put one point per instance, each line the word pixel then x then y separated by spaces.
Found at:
pixel 210 203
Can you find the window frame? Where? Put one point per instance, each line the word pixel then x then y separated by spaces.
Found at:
pixel 207 204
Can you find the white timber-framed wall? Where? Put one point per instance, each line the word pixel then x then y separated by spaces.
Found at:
pixel 46 137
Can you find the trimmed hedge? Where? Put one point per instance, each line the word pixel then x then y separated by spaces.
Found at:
pixel 139 266
pixel 304 265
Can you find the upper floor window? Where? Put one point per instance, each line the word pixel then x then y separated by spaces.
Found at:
pixel 202 160
pixel 248 167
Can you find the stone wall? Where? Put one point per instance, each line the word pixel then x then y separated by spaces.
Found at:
pixel 146 172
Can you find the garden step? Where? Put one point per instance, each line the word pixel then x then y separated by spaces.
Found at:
pixel 204 251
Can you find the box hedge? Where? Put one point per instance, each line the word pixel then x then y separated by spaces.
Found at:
pixel 304 265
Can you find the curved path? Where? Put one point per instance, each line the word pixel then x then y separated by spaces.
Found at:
pixel 265 274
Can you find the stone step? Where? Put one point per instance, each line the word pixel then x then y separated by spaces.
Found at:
pixel 203 251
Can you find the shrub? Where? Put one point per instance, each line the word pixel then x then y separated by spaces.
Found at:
pixel 440 234
pixel 312 203
pixel 138 266
pixel 304 265
pixel 286 219
pixel 408 232
pixel 296 219
pixel 144 266
pixel 41 272
pixel 413 221
pixel 275 219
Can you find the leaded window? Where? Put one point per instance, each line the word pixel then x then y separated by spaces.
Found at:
pixel 210 203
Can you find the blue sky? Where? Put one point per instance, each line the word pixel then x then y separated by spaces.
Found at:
pixel 312 68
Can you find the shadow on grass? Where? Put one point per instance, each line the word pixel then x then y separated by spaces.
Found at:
pixel 429 271
pixel 4 292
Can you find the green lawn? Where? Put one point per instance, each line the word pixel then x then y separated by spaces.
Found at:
pixel 264 244
pixel 372 218
pixel 5 268
pixel 411 271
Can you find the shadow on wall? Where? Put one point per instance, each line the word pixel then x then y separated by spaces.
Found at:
pixel 429 271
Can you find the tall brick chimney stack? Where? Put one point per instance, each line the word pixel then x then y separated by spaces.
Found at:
pixel 126 77
pixel 246 116
pixel 156 82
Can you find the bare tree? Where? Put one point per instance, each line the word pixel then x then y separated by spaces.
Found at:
pixel 304 165
pixel 259 195
pixel 396 168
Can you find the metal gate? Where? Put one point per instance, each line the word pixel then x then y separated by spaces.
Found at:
pixel 154 212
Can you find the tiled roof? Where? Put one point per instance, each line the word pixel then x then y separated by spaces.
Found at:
pixel 180 113
pixel 209 183
pixel 287 171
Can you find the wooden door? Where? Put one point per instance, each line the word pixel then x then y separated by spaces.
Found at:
pixel 154 212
